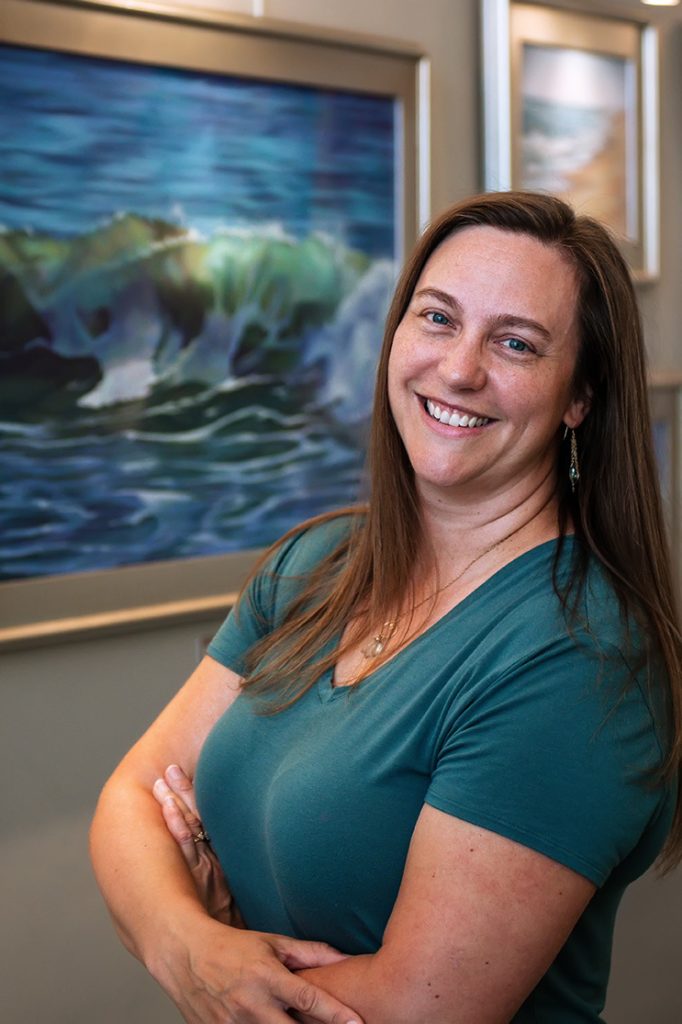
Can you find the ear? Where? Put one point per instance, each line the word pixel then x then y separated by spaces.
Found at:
pixel 578 410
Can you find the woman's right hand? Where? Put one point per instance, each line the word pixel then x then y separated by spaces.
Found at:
pixel 233 976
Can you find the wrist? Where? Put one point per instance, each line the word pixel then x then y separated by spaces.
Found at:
pixel 168 940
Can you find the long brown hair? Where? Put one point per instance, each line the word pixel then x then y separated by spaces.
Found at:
pixel 616 509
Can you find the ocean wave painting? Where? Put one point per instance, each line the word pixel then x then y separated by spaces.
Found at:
pixel 194 273
pixel 578 133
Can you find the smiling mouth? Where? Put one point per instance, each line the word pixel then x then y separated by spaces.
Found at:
pixel 452 418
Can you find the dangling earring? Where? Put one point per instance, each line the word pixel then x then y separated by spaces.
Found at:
pixel 574 467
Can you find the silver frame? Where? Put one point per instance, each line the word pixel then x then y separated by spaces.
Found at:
pixel 501 46
pixel 60 608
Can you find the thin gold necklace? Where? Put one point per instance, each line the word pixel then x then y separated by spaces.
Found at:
pixel 377 645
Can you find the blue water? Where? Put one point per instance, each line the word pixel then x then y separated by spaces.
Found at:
pixel 182 450
pixel 234 345
pixel 98 498
pixel 83 138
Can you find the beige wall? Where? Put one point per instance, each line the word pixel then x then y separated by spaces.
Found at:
pixel 68 712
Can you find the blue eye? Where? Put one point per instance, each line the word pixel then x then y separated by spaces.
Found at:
pixel 517 345
pixel 438 318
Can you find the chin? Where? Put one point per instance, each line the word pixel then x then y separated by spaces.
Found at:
pixel 440 480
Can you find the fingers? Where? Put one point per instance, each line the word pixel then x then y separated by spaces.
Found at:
pixel 175 794
pixel 162 791
pixel 259 990
pixel 302 996
pixel 296 954
pixel 182 786
pixel 270 982
pixel 185 827
pixel 238 976
pixel 311 1001
pixel 181 823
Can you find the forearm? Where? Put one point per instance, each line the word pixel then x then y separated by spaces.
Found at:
pixel 390 987
pixel 144 879
pixel 377 991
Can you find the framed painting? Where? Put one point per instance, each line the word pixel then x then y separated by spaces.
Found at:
pixel 571 108
pixel 201 221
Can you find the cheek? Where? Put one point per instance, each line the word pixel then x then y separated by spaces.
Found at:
pixel 541 395
pixel 395 375
pixel 403 360
pixel 392 386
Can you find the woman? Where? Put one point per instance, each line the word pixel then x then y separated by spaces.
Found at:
pixel 441 733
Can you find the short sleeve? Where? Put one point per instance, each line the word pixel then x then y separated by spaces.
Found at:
pixel 264 601
pixel 555 754
pixel 255 613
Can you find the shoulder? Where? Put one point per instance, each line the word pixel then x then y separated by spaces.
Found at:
pixel 588 641
pixel 304 547
pixel 276 582
pixel 523 609
pixel 286 567
pixel 549 737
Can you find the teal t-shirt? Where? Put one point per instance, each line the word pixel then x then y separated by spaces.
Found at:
pixel 494 714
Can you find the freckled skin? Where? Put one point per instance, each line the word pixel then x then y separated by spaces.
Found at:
pixel 500 344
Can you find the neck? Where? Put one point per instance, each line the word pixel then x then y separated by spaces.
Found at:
pixel 455 528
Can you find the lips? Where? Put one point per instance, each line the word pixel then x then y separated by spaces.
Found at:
pixel 453 418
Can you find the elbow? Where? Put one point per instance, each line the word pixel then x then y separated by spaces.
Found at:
pixel 103 821
pixel 97 826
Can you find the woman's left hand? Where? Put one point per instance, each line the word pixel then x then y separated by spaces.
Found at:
pixel 175 794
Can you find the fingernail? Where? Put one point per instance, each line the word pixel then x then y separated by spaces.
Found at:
pixel 159 786
pixel 175 772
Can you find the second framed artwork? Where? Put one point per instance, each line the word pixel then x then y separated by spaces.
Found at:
pixel 571 108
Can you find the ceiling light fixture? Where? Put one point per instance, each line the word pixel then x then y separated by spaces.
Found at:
pixel 661 3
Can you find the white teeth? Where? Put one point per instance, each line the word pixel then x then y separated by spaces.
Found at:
pixel 454 419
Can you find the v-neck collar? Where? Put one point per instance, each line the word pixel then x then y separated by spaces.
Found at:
pixel 325 687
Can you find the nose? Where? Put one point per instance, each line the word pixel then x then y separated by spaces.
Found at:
pixel 463 363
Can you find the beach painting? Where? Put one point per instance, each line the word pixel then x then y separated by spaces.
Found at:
pixel 194 274
pixel 578 138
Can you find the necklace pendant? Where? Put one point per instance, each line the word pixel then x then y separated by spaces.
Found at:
pixel 374 648
pixel 377 644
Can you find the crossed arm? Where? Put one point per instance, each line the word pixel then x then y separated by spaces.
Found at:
pixel 477 922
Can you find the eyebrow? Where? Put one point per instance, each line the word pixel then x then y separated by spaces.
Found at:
pixel 500 320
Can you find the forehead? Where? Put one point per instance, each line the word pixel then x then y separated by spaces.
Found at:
pixel 505 272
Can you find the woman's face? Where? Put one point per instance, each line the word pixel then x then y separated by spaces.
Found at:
pixel 490 339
